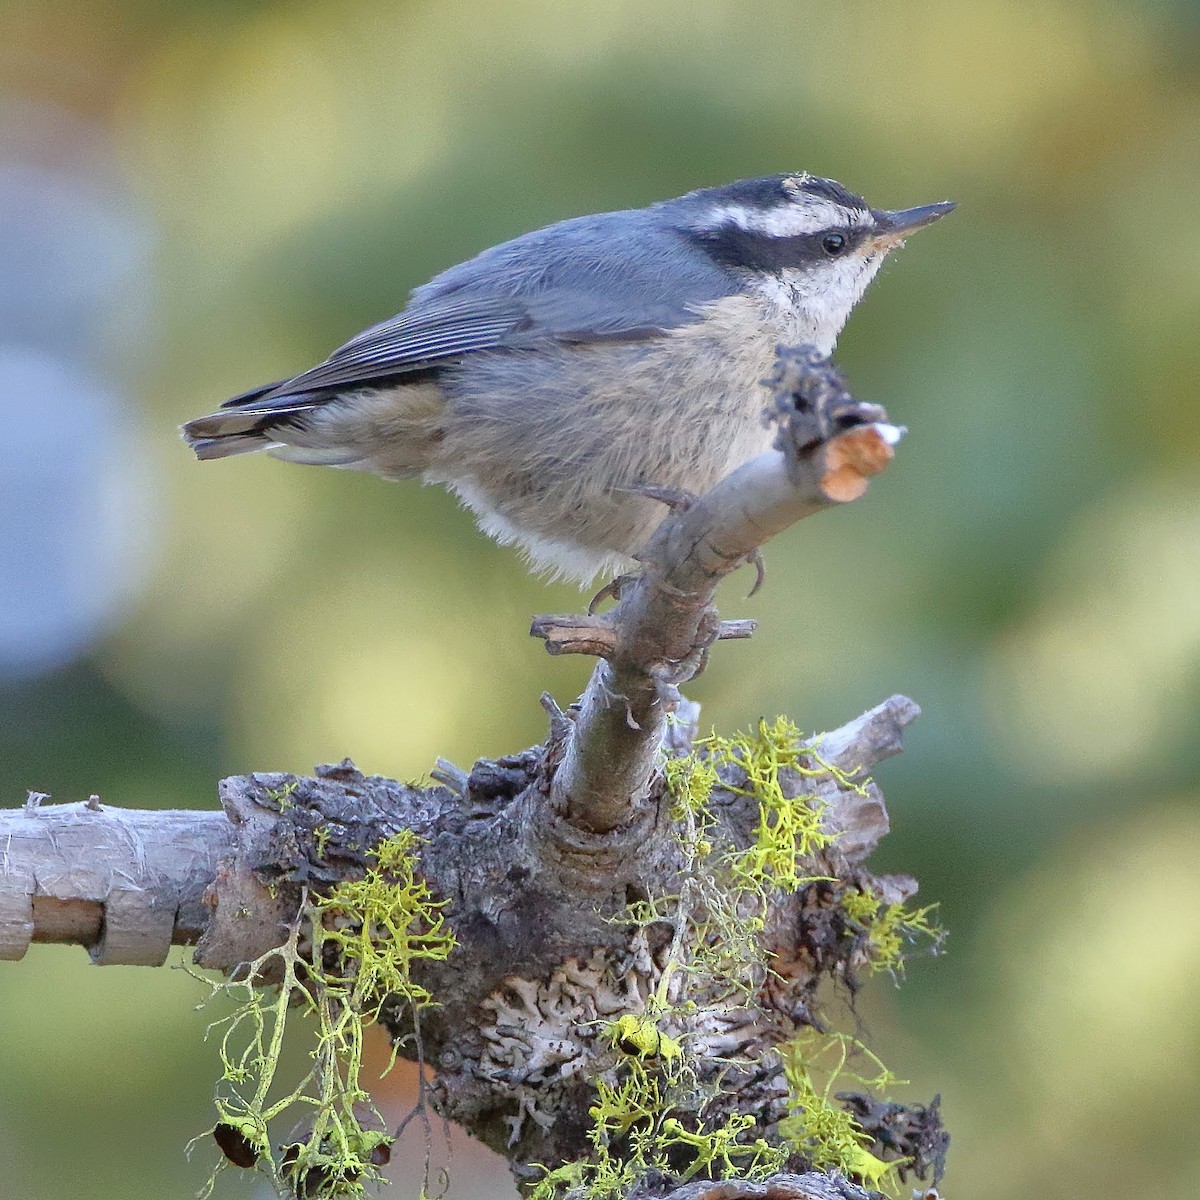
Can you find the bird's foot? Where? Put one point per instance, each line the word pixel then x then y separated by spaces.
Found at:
pixel 675 498
pixel 668 675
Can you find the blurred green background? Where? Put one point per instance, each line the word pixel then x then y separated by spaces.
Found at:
pixel 197 196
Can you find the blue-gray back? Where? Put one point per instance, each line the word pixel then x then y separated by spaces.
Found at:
pixel 612 276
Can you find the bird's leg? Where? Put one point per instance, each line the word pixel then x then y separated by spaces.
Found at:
pixel 599 635
pixel 680 500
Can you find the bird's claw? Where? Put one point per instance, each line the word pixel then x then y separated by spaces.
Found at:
pixel 610 591
pixel 670 674
pixel 760 570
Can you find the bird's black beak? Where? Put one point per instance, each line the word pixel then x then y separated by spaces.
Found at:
pixel 891 228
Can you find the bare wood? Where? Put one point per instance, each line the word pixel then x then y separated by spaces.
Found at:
pixel 658 635
pixel 869 739
pixel 125 883
pixel 860 819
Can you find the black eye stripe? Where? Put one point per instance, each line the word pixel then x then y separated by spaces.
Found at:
pixel 733 246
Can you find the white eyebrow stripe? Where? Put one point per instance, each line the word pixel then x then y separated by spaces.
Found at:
pixel 804 215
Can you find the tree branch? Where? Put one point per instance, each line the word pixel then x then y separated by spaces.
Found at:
pixel 128 883
pixel 123 882
pixel 547 954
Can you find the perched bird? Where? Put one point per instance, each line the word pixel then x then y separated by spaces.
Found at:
pixel 548 379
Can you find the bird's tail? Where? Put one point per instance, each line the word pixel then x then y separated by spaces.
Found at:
pixel 245 424
pixel 393 431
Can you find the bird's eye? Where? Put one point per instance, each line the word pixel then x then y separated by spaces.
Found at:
pixel 834 243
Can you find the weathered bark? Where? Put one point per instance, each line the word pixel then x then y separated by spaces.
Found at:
pixel 545 953
pixel 811 1186
pixel 542 947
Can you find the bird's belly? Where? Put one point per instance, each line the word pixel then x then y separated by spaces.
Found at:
pixel 550 449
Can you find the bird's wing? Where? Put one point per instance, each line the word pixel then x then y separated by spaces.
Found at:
pixel 413 341
pixel 419 339
pixel 574 282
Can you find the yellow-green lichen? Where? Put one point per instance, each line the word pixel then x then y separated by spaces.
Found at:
pixel 890 928
pixel 727 888
pixel 380 925
pixel 642 1038
pixel 716 963
pixel 818 1127
pixel 321 836
pixel 281 797
pixel 789 830
pixel 634 1134
pixel 365 937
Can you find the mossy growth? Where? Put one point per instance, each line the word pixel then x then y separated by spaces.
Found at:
pixel 727 886
pixel 818 1127
pixel 641 1038
pixel 717 961
pixel 889 929
pixel 634 1135
pixel 348 952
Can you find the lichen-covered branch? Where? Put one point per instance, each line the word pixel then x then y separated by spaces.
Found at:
pixel 672 943
pixel 126 884
pixel 658 634
pixel 678 975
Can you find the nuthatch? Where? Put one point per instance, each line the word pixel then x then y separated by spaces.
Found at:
pixel 551 378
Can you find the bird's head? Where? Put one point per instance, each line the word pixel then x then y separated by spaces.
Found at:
pixel 799 240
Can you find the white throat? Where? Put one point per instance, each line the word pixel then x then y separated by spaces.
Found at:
pixel 813 306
